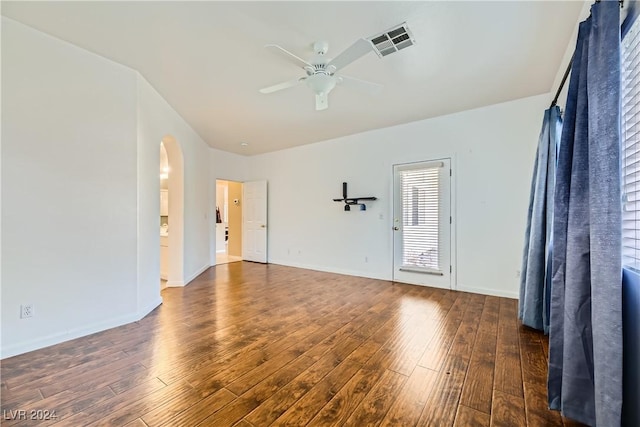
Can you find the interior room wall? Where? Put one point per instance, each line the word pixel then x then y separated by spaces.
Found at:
pixel 228 166
pixel 568 54
pixel 157 120
pixel 235 218
pixel 68 190
pixel 223 166
pixel 81 191
pixel 492 151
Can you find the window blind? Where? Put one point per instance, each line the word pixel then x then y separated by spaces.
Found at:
pixel 420 217
pixel 631 148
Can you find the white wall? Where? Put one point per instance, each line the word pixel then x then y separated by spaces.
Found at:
pixel 571 47
pixel 80 191
pixel 229 167
pixel 492 150
pixel 68 190
pixel 156 121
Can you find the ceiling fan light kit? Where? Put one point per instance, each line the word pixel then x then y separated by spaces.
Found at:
pixel 321 72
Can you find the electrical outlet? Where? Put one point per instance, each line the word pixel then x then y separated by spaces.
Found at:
pixel 26 310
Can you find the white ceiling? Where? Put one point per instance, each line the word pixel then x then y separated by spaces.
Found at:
pixel 208 61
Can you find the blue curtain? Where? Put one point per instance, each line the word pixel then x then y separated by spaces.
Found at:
pixel 585 334
pixel 535 280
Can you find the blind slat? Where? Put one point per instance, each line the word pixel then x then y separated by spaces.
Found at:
pixel 420 217
pixel 631 147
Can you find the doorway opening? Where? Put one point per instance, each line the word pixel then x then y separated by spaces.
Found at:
pixel 229 231
pixel 171 210
pixel 164 216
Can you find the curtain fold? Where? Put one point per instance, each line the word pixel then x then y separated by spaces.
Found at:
pixel 585 335
pixel 535 280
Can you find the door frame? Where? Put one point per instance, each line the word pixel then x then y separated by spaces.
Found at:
pixel 453 235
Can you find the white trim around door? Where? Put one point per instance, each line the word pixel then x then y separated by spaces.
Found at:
pixel 424 224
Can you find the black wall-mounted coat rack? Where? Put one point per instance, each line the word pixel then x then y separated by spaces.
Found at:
pixel 349 201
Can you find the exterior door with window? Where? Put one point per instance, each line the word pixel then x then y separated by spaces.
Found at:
pixel 422 223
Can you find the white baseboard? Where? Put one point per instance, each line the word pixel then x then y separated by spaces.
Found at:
pixel 175 283
pixel 196 274
pixel 24 347
pixel 57 338
pixel 462 288
pixel 329 269
pixel 486 291
pixel 178 283
pixel 148 308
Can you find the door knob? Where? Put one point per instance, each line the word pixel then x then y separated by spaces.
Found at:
pixel 263 226
pixel 396 228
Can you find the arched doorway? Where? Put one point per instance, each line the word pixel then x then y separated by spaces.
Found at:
pixel 172 206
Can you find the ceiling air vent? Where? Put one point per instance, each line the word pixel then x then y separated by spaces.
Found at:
pixel 392 40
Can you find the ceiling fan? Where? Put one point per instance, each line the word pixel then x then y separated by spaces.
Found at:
pixel 321 71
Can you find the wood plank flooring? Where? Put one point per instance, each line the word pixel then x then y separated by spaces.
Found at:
pixel 255 345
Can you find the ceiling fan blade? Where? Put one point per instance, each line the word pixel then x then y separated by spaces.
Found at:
pixel 280 86
pixel 357 50
pixel 288 56
pixel 322 101
pixel 363 85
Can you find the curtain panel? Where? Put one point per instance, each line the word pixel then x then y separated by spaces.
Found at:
pixel 585 334
pixel 535 279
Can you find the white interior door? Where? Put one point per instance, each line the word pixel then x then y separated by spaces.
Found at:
pixel 422 223
pixel 254 221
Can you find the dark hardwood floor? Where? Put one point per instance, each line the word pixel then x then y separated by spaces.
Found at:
pixel 255 345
